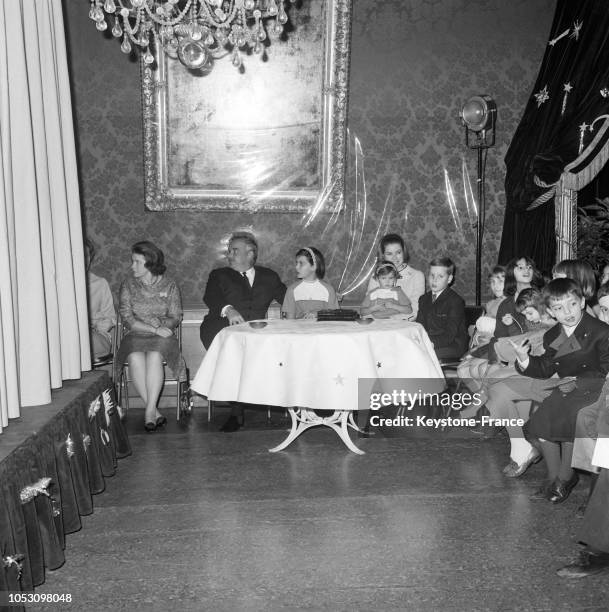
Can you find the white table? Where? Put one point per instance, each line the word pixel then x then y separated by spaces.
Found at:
pixel 310 365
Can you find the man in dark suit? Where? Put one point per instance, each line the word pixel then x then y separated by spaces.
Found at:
pixel 240 292
pixel 442 311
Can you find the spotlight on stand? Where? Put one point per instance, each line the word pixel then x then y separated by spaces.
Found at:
pixel 479 115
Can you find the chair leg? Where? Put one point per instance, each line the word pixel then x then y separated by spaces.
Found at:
pixel 210 409
pixel 124 386
pixel 119 388
pixel 185 399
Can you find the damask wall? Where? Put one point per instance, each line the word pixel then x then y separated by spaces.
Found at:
pixel 414 63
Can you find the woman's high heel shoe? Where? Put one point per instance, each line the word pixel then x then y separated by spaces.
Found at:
pixel 150 427
pixel 162 420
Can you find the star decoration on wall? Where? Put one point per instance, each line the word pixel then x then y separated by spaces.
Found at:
pixel 582 131
pixel 561 35
pixel 577 26
pixel 542 96
pixel 567 87
pixel 339 380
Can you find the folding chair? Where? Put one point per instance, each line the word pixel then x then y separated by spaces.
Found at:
pixel 108 360
pixel 183 395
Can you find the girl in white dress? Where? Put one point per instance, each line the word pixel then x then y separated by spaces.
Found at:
pixel 411 281
pixel 310 293
pixel 388 301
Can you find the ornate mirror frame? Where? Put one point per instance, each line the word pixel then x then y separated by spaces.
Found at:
pixel 325 135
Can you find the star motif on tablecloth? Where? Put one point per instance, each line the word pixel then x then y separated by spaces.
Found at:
pixel 542 96
pixel 378 364
pixel 339 380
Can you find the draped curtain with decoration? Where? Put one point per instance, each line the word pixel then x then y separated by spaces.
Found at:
pixel 558 144
pixel 43 305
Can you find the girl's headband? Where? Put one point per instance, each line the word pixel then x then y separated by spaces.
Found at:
pixel 386 264
pixel 312 254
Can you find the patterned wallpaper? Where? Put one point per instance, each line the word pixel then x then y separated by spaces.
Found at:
pixel 414 64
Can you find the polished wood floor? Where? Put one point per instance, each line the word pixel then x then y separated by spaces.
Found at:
pixel 200 520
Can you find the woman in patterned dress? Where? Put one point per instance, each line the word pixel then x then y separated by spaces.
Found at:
pixel 151 308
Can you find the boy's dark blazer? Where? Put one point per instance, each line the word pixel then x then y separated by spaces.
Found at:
pixel 444 321
pixel 227 286
pixel 583 354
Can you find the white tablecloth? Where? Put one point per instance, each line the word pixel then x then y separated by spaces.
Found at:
pixel 311 363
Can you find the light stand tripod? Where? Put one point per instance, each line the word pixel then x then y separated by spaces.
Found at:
pixel 479 115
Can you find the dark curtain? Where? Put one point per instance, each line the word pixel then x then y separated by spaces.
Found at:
pixel 548 136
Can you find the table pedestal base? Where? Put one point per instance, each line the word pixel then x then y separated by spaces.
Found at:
pixel 304 418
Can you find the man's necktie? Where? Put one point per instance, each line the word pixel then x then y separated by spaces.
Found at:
pixel 246 278
pixel 434 297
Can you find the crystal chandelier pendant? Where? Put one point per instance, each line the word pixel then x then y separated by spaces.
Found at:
pixel 194 31
pixel 193 54
pixel 117 31
pixel 125 46
pixel 148 57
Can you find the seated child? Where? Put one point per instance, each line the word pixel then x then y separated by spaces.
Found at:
pixel 602 296
pixel 530 303
pixel 307 296
pixel 578 351
pixel 387 300
pixel 478 373
pixel 485 325
pixel 442 311
pixel 604 276
pixel 497 282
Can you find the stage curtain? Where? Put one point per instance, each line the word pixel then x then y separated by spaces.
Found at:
pixel 67 461
pixel 43 305
pixel 566 95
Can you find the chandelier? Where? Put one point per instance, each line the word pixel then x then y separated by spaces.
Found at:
pixel 194 31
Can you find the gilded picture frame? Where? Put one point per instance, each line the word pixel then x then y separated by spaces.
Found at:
pixel 268 137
